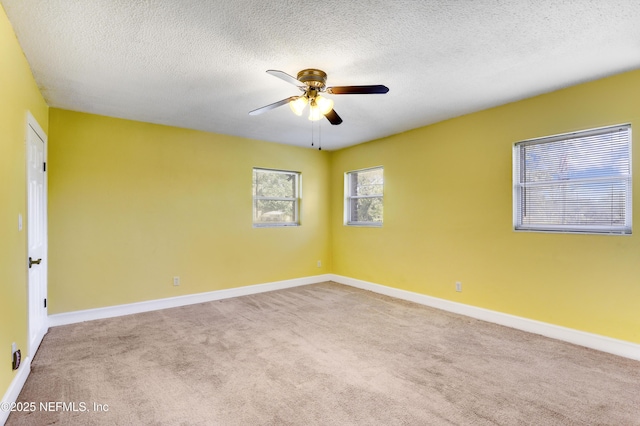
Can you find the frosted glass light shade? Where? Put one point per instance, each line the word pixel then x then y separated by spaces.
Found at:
pixel 324 104
pixel 298 105
pixel 314 112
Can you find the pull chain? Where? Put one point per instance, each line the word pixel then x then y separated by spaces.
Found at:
pixel 319 135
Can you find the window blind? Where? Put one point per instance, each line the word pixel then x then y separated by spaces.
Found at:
pixel 580 182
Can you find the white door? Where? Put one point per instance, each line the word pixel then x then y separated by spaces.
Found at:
pixel 36 233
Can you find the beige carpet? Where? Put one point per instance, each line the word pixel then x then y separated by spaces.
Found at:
pixel 322 354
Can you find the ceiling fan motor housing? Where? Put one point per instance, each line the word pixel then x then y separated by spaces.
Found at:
pixel 313 78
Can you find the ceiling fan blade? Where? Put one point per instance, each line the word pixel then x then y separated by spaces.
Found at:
pixel 357 90
pixel 273 105
pixel 286 77
pixel 333 117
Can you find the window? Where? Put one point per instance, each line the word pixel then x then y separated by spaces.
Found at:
pixel 363 204
pixel 276 198
pixel 578 182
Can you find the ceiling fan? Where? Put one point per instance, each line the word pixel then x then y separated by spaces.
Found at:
pixel 312 82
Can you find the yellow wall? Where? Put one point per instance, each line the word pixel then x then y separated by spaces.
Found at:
pixel 448 216
pixel 18 94
pixel 140 203
pixel 132 204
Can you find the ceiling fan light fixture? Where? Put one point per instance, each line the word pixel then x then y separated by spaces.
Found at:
pixel 324 104
pixel 297 105
pixel 315 113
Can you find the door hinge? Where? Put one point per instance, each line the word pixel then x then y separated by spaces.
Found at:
pixel 44 166
pixel 45 303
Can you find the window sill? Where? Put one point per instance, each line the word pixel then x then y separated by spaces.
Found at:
pixel 275 225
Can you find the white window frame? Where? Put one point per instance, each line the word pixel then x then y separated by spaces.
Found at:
pixel 295 199
pixel 349 196
pixel 519 187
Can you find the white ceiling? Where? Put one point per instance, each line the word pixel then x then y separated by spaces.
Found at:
pixel 201 64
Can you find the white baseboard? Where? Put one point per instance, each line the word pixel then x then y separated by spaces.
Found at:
pixel 589 340
pixel 174 302
pixel 15 387
pixel 577 337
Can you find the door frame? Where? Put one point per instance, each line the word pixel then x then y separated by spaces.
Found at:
pixel 33 345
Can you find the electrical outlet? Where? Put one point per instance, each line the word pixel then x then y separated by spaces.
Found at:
pixel 319 264
pixel 176 281
pixel 458 286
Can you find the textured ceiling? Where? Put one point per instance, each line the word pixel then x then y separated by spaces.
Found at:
pixel 201 64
